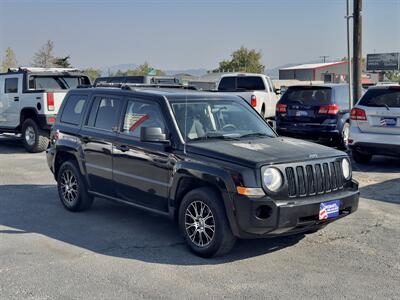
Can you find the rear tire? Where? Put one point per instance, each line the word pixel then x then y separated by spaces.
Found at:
pixel 72 188
pixel 343 143
pixel 361 158
pixel 263 111
pixel 34 139
pixel 204 225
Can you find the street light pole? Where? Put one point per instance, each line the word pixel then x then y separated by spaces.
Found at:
pixel 357 49
pixel 349 60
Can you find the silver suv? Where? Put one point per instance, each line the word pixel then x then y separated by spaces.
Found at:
pixel 375 124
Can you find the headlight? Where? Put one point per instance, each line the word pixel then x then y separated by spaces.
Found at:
pixel 346 168
pixel 272 179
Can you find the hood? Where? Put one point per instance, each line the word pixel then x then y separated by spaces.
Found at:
pixel 262 150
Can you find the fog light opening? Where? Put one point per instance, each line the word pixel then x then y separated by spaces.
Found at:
pixel 263 212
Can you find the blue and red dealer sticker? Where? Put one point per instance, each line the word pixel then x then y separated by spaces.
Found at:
pixel 329 209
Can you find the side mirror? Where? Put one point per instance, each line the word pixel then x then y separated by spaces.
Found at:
pixel 278 91
pixel 153 135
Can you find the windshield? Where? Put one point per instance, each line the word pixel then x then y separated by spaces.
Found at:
pixel 219 119
pixel 307 95
pixel 56 82
pixel 381 98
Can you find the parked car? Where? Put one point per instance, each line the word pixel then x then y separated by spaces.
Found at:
pixel 207 160
pixel 256 89
pixel 137 80
pixel 30 99
pixel 375 124
pixel 315 112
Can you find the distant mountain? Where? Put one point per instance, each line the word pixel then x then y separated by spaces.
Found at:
pixel 115 68
pixel 193 72
pixel 125 67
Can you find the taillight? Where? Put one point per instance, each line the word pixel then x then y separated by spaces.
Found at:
pixel 358 114
pixel 50 101
pixel 253 101
pixel 331 109
pixel 281 108
pixel 51 120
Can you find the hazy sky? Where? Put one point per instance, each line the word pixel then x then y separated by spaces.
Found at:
pixel 191 34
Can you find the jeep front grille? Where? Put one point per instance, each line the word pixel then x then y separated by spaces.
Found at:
pixel 314 179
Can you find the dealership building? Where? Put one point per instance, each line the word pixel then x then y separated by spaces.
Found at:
pixel 333 72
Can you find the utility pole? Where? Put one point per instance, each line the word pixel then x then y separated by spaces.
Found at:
pixel 349 61
pixel 357 49
pixel 324 57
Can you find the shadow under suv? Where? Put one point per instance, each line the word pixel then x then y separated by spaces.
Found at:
pixel 207 160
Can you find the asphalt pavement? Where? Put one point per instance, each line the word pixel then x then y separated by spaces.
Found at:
pixel 117 252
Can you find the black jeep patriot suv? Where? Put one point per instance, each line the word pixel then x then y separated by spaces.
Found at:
pixel 207 160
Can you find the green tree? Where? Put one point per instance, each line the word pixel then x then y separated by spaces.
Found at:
pixel 92 73
pixel 9 61
pixel 62 62
pixel 243 60
pixel 44 57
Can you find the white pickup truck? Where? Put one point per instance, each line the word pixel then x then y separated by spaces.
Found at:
pixel 30 99
pixel 257 89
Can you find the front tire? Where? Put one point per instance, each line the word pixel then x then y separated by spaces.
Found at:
pixel 34 139
pixel 72 189
pixel 204 225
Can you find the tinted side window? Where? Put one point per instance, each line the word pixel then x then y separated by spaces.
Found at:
pixel 73 109
pixel 107 113
pixel 11 86
pixel 227 83
pixel 141 114
pixel 342 97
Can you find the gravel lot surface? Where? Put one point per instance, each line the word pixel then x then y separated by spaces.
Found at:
pixel 118 252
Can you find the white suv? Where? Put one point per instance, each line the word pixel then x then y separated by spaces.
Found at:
pixel 375 124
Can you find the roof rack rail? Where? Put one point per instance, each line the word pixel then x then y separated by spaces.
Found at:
pixel 132 86
pixel 38 69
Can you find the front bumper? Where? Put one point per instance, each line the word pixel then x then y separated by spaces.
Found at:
pixel 289 216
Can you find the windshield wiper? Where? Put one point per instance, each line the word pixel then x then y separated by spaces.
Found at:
pixel 217 137
pixel 254 134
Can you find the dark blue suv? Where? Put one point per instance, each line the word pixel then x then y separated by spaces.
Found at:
pixel 315 112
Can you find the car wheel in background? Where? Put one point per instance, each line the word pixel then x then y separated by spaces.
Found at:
pixel 33 138
pixel 361 158
pixel 203 223
pixel 72 189
pixel 343 143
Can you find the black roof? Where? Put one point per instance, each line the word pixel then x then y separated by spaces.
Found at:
pixel 169 93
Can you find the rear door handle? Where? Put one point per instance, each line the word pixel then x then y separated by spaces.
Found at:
pixel 16 98
pixel 85 139
pixel 122 148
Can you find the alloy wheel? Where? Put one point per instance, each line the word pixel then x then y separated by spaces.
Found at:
pixel 30 135
pixel 69 186
pixel 199 223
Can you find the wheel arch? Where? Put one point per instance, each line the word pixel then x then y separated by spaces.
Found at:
pixel 188 177
pixel 28 113
pixel 65 154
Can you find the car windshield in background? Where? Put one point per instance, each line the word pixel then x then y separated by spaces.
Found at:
pixel 382 97
pixel 307 95
pixel 211 119
pixel 56 82
pixel 247 83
